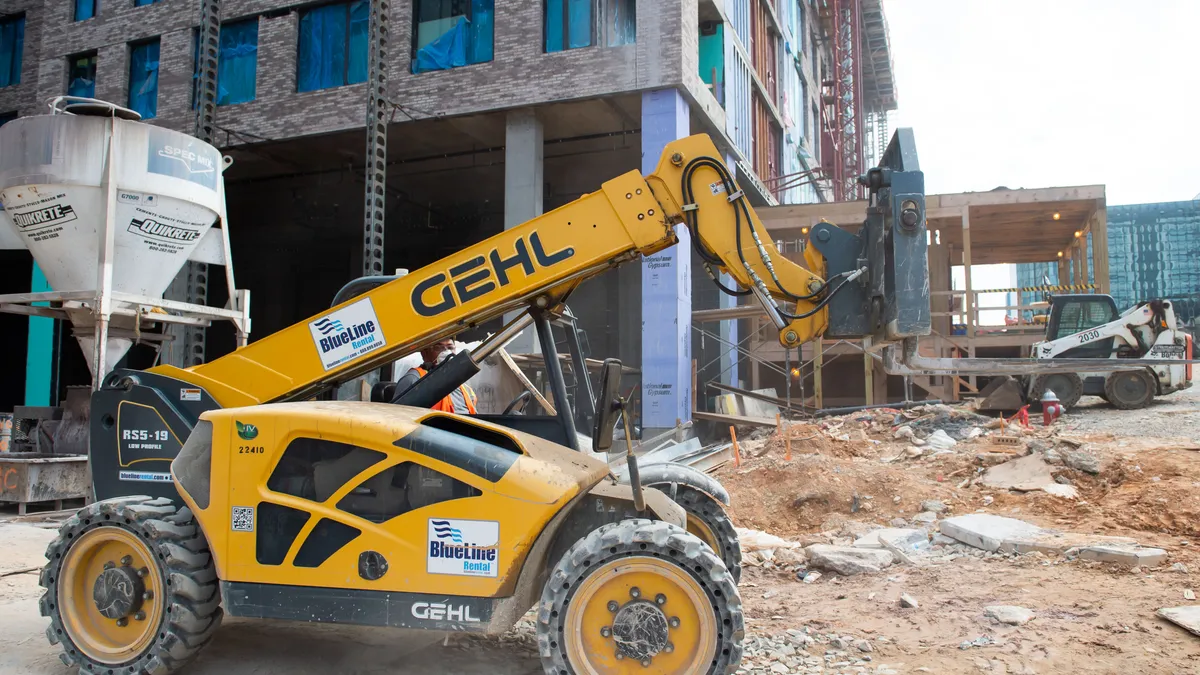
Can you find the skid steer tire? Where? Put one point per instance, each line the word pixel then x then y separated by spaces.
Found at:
pixel 130 588
pixel 640 594
pixel 1068 387
pixel 707 519
pixel 1130 389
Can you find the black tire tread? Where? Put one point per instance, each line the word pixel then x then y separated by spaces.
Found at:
pixel 1068 402
pixel 640 537
pixel 1116 402
pixel 712 512
pixel 192 601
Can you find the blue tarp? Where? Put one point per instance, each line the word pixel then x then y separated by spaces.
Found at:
pixel 448 51
pixel 326 60
pixel 141 3
pixel 82 78
pixel 143 79
pixel 85 9
pixel 12 43
pixel 237 62
pixel 578 24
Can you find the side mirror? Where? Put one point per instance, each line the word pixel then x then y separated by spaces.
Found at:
pixel 608 404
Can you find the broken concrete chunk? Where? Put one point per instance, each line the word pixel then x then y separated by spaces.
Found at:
pixel 1187 618
pixel 997 533
pixel 986 531
pixel 1009 614
pixel 935 505
pixel 1080 460
pixel 926 517
pixel 871 539
pixel 911 547
pixel 909 601
pixel 847 560
pixel 1189 594
pixel 1125 555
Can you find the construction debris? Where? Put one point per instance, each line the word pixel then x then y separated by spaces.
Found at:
pixel 997 533
pixel 1125 555
pixel 1187 618
pixel 1009 614
pixel 848 560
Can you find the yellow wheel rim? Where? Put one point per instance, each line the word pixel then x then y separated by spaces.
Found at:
pixel 657 597
pixel 109 595
pixel 698 527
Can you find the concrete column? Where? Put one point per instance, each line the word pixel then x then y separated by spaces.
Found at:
pixel 729 329
pixel 666 285
pixel 523 188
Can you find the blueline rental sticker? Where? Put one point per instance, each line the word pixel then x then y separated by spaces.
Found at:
pixel 347 334
pixel 145 476
pixel 465 548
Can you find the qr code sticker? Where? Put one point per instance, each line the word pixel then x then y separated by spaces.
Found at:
pixel 243 519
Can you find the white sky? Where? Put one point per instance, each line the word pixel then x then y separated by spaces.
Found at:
pixel 1042 93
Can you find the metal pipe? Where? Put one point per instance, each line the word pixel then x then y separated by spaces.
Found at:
pixel 557 383
pixel 631 463
pixel 905 405
pixel 495 342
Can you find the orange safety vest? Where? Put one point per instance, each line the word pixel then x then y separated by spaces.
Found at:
pixel 447 404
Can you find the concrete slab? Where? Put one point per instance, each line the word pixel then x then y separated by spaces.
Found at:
pixel 871 539
pixel 1187 618
pixel 997 533
pixel 1125 555
pixel 848 560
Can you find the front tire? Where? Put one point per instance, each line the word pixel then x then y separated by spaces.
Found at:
pixel 640 595
pixel 130 588
pixel 1068 387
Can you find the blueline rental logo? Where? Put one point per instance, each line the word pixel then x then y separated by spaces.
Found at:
pixel 463 547
pixel 347 333
pixel 358 336
pixel 326 326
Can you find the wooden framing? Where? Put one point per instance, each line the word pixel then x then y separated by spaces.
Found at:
pixel 967 229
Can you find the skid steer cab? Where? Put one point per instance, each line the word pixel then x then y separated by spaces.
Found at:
pixel 385 515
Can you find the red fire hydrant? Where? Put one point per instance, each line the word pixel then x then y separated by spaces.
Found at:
pixel 1052 409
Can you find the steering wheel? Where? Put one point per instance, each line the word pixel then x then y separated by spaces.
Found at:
pixel 517 406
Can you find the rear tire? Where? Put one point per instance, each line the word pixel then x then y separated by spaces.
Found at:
pixel 708 520
pixel 1066 386
pixel 130 588
pixel 639 594
pixel 1130 390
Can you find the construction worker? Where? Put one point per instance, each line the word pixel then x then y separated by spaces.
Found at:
pixel 462 400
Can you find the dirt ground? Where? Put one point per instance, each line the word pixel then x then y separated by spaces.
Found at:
pixel 1090 617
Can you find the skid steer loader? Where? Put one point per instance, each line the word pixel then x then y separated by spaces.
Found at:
pixel 1143 340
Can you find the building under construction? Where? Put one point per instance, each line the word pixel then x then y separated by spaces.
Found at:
pixel 489 113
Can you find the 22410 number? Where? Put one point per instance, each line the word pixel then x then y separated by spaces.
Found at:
pixel 1088 336
pixel 251 450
